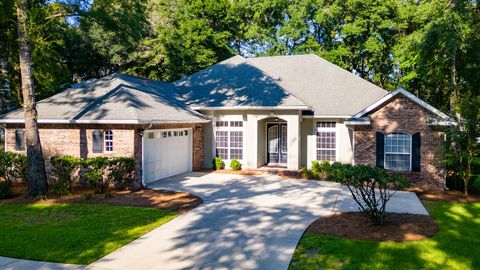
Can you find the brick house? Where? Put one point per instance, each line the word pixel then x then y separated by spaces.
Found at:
pixel 284 111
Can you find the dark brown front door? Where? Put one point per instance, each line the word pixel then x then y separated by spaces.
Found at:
pixel 277 143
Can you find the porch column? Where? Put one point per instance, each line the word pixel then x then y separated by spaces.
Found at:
pixel 251 142
pixel 293 134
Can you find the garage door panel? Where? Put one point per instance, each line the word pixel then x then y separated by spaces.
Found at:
pixel 166 156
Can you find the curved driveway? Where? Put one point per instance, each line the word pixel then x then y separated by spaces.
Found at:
pixel 245 222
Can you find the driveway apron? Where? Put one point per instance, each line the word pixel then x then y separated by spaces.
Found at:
pixel 245 222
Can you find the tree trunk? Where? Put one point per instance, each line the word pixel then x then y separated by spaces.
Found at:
pixel 37 180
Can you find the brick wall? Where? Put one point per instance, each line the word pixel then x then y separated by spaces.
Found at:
pixel 76 140
pixel 401 114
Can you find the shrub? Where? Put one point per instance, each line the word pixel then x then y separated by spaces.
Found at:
pixel 371 188
pixel 122 172
pixel 235 165
pixel 63 169
pixel 476 184
pixel 318 170
pixel 5 189
pixel 13 166
pixel 218 163
pixel 96 173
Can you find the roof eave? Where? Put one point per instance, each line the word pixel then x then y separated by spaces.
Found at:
pixel 411 96
pixel 225 108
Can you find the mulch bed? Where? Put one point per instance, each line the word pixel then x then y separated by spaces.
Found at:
pixel 161 199
pixel 397 227
pixel 447 196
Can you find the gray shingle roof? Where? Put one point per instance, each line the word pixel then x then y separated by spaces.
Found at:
pixel 117 97
pixel 234 82
pixel 280 81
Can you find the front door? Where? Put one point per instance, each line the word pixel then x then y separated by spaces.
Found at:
pixel 277 143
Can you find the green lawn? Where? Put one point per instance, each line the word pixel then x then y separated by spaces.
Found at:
pixel 72 233
pixel 456 246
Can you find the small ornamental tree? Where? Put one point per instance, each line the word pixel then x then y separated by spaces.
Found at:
pixel 371 188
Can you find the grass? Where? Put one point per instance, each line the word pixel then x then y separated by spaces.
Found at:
pixel 456 246
pixel 72 233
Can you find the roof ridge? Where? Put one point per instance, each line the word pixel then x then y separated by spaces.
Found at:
pixel 211 66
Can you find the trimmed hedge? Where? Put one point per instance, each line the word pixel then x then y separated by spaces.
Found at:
pixel 63 169
pixel 98 172
pixel 218 163
pixel 122 172
pixel 13 166
pixel 235 165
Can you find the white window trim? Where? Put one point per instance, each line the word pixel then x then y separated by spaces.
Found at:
pixel 396 153
pixel 105 141
pixel 228 129
pixel 326 129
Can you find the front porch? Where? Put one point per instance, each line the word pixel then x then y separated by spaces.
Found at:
pixel 273 142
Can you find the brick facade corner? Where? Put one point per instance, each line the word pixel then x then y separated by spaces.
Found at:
pixel 401 114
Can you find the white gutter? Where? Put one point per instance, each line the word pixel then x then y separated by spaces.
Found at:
pixel 71 121
pixel 225 108
pixel 329 116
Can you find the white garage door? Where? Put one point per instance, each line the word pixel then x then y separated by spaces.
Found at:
pixel 167 152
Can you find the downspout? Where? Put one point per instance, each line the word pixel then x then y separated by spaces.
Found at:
pixel 143 153
pixel 353 145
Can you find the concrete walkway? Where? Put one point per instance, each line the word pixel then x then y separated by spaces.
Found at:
pixel 18 264
pixel 246 222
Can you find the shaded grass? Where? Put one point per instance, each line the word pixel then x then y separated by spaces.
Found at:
pixel 73 233
pixel 456 246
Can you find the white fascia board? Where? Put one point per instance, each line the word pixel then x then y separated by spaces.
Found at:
pixel 357 123
pixel 200 108
pixel 407 94
pixel 328 116
pixel 200 121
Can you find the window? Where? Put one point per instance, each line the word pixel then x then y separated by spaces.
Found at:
pixel 222 143
pixel 326 141
pixel 19 139
pixel 229 139
pixel 108 140
pixel 398 151
pixel 236 144
pixel 97 141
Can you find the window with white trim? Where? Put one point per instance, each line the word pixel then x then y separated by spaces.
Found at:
pixel 326 141
pixel 108 140
pixel 398 151
pixel 229 139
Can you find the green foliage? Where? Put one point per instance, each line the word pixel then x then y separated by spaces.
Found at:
pixel 319 170
pixel 122 172
pixel 218 163
pixel 5 189
pixel 462 157
pixel 371 187
pixel 476 184
pixel 95 173
pixel 235 165
pixel 455 246
pixel 63 169
pixel 13 166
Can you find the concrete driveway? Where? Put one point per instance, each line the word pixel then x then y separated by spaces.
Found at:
pixel 246 222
